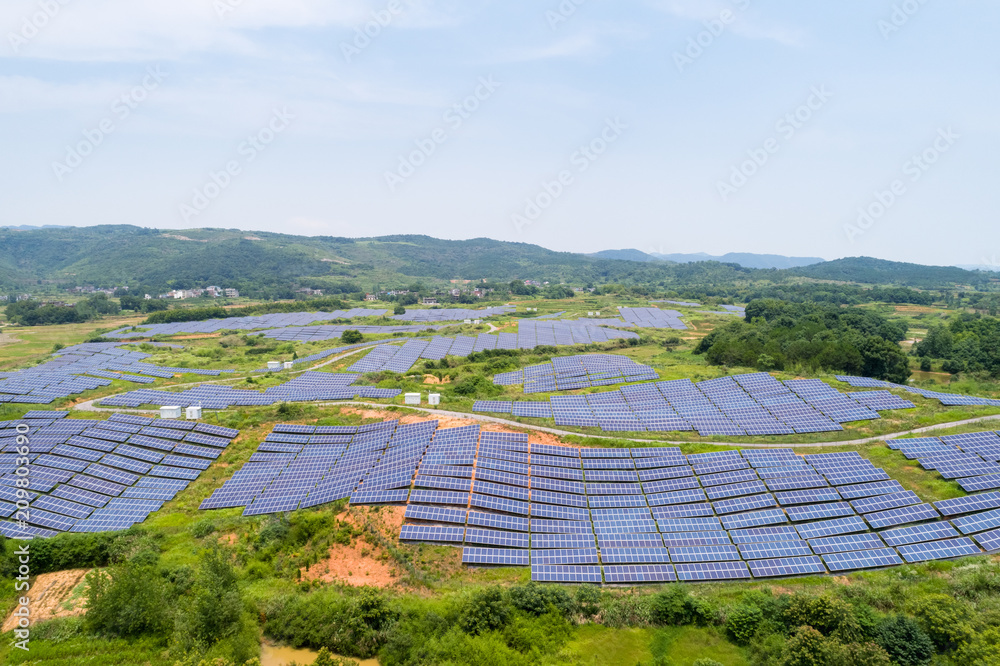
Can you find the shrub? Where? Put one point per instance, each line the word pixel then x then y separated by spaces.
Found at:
pixel 131 602
pixel 536 599
pixel 943 618
pixel 477 386
pixel 351 337
pixel 826 614
pixel 905 641
pixel 354 622
pixel 858 654
pixel 628 610
pixel 202 528
pixel 670 607
pixel 743 622
pixel 806 647
pixel 588 600
pixel 981 650
pixel 486 610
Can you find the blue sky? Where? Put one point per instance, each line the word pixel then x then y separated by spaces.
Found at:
pixel 803 128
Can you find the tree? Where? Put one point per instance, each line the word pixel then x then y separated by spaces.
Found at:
pixel 944 619
pixel 981 650
pixel 399 309
pixel 905 641
pixel 743 622
pixel 806 647
pixel 131 602
pixel 351 337
pixel 487 610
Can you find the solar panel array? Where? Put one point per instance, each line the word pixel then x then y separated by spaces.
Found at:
pixel 687 304
pixel 565 373
pixel 971 459
pixel 452 314
pixel 334 332
pixel 99 476
pixel 278 320
pixel 947 399
pixel 306 387
pixel 617 515
pixel 653 318
pixel 84 367
pixel 739 405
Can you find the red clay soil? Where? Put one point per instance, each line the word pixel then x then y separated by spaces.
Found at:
pixel 361 563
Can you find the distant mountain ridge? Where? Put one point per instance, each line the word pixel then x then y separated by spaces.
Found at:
pixel 272 263
pixel 745 259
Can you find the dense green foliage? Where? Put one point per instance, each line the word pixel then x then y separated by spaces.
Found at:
pixel 777 335
pixel 214 312
pixel 33 313
pixel 969 343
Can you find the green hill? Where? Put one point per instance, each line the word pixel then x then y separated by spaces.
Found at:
pixel 878 271
pixel 159 260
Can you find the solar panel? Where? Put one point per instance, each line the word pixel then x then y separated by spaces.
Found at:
pixel 496 538
pixel 939 550
pixel 970 504
pixel 553 541
pixel 832 527
pixel 495 556
pixel 774 549
pixel 816 511
pixel 565 556
pixel 787 566
pixel 556 573
pixel 712 571
pixel 909 514
pixel 754 519
pixel 990 541
pixel 640 573
pixel 977 522
pixel 861 559
pixel 844 543
pixel 432 533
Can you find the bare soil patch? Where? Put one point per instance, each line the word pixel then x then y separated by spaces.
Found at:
pixel 361 563
pixel 52 595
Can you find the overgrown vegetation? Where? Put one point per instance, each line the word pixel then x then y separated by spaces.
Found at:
pixel 777 335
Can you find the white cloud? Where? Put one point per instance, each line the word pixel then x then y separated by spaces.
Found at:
pixel 130 30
